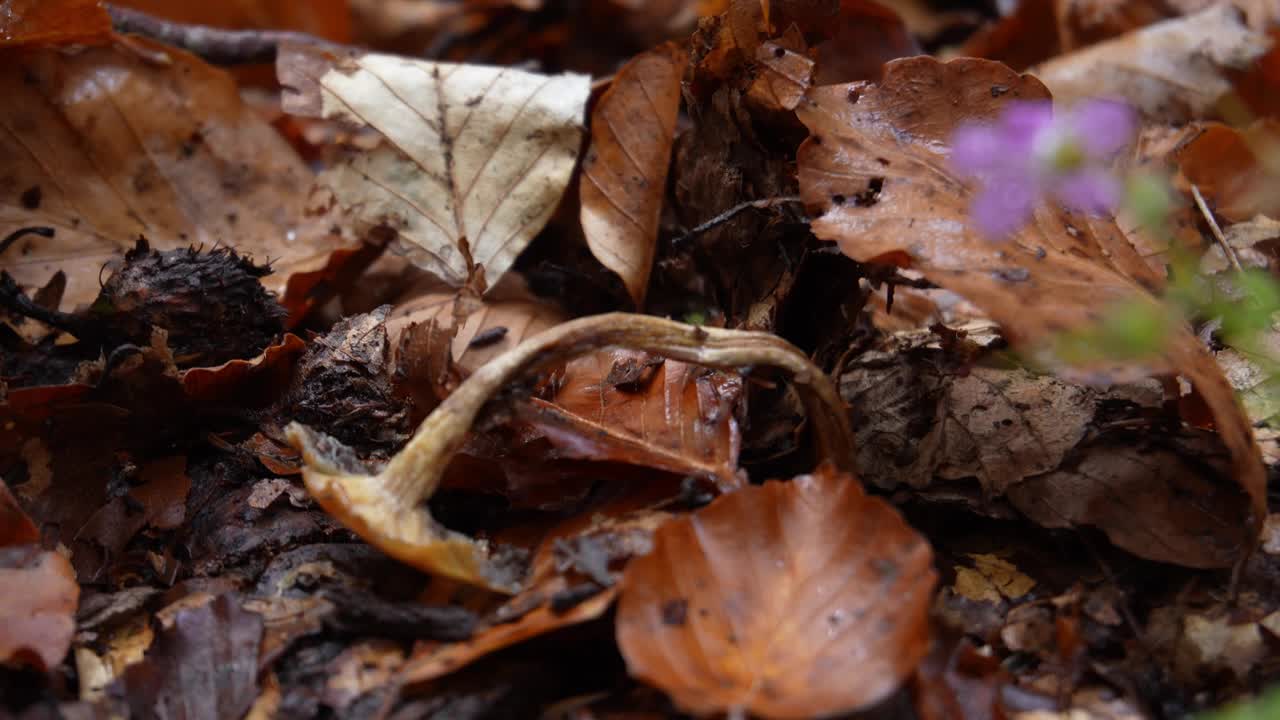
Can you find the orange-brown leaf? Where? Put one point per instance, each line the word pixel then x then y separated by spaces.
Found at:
pixel 104 146
pixel 624 177
pixel 787 600
pixel 615 405
pixel 16 527
pixel 53 22
pixel 875 169
pixel 1235 169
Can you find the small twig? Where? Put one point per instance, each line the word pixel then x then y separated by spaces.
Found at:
pixel 731 213
pixel 216 45
pixel 1217 231
pixel 13 237
pixel 15 300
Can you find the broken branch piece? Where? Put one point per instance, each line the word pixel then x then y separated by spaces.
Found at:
pixel 387 510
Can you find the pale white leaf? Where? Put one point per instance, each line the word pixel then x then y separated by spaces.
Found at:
pixel 475 158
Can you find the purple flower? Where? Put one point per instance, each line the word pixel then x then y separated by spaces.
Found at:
pixel 1030 153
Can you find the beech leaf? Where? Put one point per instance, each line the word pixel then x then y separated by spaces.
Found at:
pixel 103 146
pixel 787 600
pixel 874 168
pixel 624 176
pixel 1172 71
pixel 475 158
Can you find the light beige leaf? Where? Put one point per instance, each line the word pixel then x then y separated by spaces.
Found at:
pixel 1173 71
pixel 475 158
pixel 624 177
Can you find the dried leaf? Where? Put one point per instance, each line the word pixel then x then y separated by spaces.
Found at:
pixel 786 74
pixel 475 158
pixel 204 666
pixel 104 146
pixel 874 168
pixel 1235 169
pixel 786 600
pixel 1173 71
pixel 16 527
pixel 53 22
pixel 671 415
pixel 624 176
pixel 38 594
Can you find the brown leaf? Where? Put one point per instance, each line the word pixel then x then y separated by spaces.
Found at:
pixel 874 167
pixel 53 22
pixel 1173 71
pixel 104 146
pixel 251 382
pixel 1233 168
pixel 38 595
pixel 16 527
pixel 786 600
pixel 786 73
pixel 204 666
pixel 624 176
pixel 475 158
pixel 672 415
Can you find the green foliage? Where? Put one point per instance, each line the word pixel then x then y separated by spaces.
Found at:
pixel 1264 707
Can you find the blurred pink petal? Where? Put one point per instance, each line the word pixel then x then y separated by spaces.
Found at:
pixel 1092 190
pixel 1102 127
pixel 1002 207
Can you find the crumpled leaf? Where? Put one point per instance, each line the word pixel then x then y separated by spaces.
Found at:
pixel 643 410
pixel 475 159
pixel 1062 454
pixel 624 176
pixel 1172 71
pixel 787 600
pixel 38 594
pixel 104 146
pixel 874 170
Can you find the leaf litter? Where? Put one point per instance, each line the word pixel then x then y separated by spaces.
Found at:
pixel 255 465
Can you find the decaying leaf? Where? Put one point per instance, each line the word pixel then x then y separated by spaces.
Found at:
pixel 787 600
pixel 874 169
pixel 203 666
pixel 16 527
pixel 53 22
pixel 104 146
pixel 1234 168
pixel 38 594
pixel 1173 71
pixel 475 158
pixel 624 176
pixel 1063 454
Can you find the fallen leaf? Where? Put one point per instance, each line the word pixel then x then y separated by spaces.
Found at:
pixel 205 666
pixel 1172 71
pixel 624 175
pixel 786 74
pixel 628 407
pixel 873 169
pixel 475 159
pixel 104 146
pixel 16 527
pixel 253 382
pixel 1061 453
pixel 991 578
pixel 786 600
pixel 1235 169
pixel 53 22
pixel 38 595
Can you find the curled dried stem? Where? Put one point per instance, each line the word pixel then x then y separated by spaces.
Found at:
pixel 387 509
